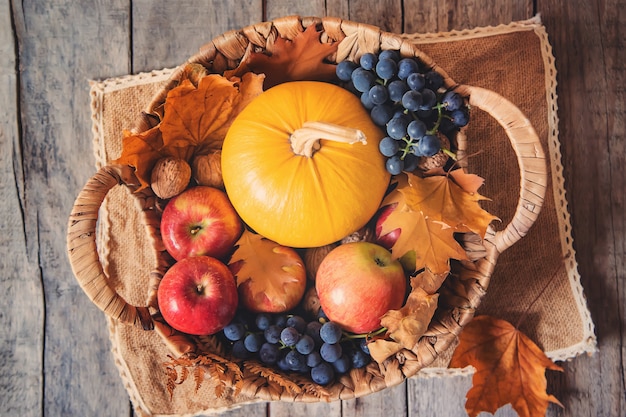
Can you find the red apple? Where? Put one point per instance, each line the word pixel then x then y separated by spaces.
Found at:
pixel 357 283
pixel 389 239
pixel 200 221
pixel 198 295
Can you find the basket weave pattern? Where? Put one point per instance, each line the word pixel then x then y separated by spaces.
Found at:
pixel 461 293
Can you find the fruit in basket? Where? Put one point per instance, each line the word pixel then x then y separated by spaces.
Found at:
pixel 301 164
pixel 200 221
pixel 411 102
pixel 198 295
pixel 359 282
pixel 270 277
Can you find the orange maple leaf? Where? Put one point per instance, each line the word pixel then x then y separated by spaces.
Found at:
pixel 300 59
pixel 195 121
pixel 441 199
pixel 429 211
pixel 510 368
pixel 268 270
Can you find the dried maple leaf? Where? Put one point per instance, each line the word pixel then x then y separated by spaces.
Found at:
pixel 428 281
pixel 510 368
pixel 428 211
pixel 195 120
pixel 269 273
pixel 441 199
pixel 300 59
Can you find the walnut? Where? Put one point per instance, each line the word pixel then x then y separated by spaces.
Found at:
pixel 364 234
pixel 313 258
pixel 207 169
pixel 170 176
pixel 311 302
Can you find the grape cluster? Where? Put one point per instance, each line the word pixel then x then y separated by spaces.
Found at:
pixel 409 101
pixel 289 342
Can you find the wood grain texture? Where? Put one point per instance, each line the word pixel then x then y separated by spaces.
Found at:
pixel 590 60
pixel 54 344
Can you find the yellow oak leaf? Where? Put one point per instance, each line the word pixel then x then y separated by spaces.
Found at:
pixel 269 274
pixel 510 368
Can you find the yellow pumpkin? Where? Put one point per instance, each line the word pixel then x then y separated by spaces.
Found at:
pixel 292 187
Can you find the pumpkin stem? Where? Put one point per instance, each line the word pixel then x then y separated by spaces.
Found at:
pixel 306 140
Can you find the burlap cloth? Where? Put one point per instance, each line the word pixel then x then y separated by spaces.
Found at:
pixel 538 275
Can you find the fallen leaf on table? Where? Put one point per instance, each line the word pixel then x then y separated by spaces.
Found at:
pixel 510 368
pixel 300 59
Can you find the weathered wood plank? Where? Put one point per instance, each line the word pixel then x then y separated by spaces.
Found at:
pixel 62 44
pixel 423 16
pixel 22 305
pixel 166 33
pixel 590 59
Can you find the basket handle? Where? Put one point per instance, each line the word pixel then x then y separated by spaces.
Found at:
pixel 83 252
pixel 530 157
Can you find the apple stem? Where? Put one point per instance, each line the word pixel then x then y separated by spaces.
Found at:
pixel 306 140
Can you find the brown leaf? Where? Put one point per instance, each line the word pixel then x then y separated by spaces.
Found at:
pixel 300 59
pixel 409 323
pixel 267 269
pixel 141 151
pixel 428 281
pixel 510 368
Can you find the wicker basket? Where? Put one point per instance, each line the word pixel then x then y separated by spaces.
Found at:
pixel 460 295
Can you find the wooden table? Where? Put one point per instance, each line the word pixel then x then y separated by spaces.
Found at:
pixel 54 345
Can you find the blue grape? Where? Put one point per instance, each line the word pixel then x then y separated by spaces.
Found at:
pixel 363 344
pixel 429 145
pixel 269 353
pixel 234 331
pixel 313 330
pixel 359 358
pixel 386 68
pixel 394 165
pixel 366 101
pixel 452 101
pixel 289 336
pixel 406 67
pixel 378 94
pixel 297 322
pixel 362 79
pixel 323 374
pixel 263 321
pixel 396 90
pixel 282 364
pixel 435 80
pixel 253 342
pixel 272 333
pixel 429 99
pixel 416 129
pixel 412 100
pixel 396 127
pixel 344 70
pixel 330 332
pixel 416 81
pixel 331 352
pixel 343 364
pixel 460 117
pixel 410 162
pixel 281 320
pixel 305 345
pixel 388 146
pixel 381 114
pixel 389 54
pixel 368 61
pixel 295 360
pixel 313 359
pixel 240 351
